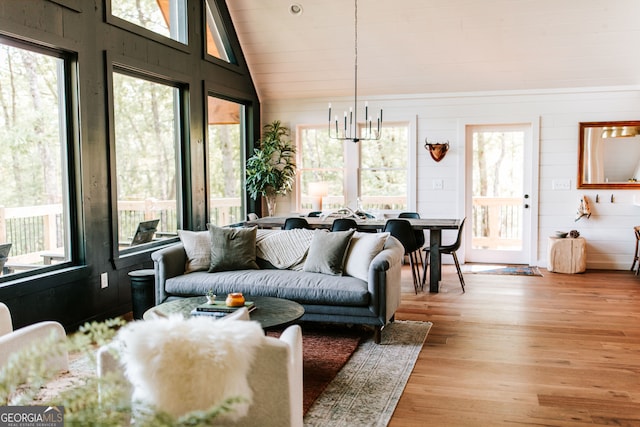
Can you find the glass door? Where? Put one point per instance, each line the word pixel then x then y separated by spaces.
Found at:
pixel 499 193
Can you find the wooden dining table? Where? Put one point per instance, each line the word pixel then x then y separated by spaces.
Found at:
pixel 434 225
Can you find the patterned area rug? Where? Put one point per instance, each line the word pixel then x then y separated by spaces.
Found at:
pixel 348 380
pixel 516 270
pixel 366 390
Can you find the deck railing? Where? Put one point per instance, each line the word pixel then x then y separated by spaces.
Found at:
pixel 34 229
pixel 497 222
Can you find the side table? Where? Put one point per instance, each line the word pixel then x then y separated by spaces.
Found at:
pixel 142 291
pixel 567 255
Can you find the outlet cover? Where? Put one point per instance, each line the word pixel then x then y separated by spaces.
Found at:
pixel 438 184
pixel 104 280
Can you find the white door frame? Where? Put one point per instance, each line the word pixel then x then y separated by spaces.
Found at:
pixel 533 155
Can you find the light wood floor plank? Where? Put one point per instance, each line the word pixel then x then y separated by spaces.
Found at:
pixel 557 350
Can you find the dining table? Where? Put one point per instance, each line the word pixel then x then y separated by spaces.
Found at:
pixel 434 225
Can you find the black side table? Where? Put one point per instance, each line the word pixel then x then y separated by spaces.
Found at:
pixel 142 291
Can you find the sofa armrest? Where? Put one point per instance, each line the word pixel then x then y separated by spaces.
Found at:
pixel 293 337
pixel 24 338
pixel 167 262
pixel 385 280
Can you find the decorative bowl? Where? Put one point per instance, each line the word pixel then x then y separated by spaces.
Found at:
pixel 561 234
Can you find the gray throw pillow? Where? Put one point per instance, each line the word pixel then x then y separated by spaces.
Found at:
pixel 327 252
pixel 232 248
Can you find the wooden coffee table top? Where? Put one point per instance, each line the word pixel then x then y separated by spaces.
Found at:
pixel 270 312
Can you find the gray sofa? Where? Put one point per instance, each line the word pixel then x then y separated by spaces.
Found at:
pixel 325 297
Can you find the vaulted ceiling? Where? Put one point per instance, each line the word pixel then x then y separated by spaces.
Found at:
pixel 436 46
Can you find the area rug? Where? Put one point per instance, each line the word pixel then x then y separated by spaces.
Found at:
pixel 348 379
pixel 366 390
pixel 516 270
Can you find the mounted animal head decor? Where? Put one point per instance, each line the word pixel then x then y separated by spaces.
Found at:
pixel 437 149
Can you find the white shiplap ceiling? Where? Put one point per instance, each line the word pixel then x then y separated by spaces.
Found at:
pixel 436 46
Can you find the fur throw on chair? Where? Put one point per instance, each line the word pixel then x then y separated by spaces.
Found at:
pixel 181 365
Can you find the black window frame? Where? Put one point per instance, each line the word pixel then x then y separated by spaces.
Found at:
pixel 75 266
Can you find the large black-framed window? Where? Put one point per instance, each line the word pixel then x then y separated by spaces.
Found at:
pixel 148 114
pixel 226 153
pixel 38 134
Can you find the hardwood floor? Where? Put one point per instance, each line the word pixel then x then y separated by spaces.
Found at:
pixel 557 350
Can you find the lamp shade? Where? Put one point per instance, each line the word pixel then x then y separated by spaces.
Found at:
pixel 318 189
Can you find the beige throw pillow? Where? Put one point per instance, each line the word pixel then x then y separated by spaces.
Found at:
pixel 327 251
pixel 363 248
pixel 197 246
pixel 232 248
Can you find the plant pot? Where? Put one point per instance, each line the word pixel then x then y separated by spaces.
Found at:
pixel 271 203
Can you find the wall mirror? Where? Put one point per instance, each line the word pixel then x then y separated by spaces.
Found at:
pixel 609 155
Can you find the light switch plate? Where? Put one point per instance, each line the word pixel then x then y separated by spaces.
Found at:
pixel 561 184
pixel 438 184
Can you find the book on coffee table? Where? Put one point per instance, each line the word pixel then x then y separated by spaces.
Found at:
pixel 221 307
pixel 212 314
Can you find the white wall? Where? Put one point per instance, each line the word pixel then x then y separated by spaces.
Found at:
pixel 609 231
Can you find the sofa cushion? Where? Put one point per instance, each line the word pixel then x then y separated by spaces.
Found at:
pixel 197 246
pixel 362 249
pixel 302 287
pixel 327 252
pixel 232 248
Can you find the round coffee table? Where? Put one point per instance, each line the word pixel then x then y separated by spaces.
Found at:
pixel 269 312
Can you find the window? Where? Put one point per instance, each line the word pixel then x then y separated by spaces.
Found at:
pixel 147 127
pixel 226 141
pixel 35 112
pixel 320 167
pixel 383 170
pixel 167 18
pixel 217 40
pixel 382 181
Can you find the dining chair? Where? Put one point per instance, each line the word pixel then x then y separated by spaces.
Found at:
pixel 295 222
pixel 420 240
pixel 449 250
pixel 252 216
pixel 402 230
pixel 636 255
pixel 344 224
pixel 314 214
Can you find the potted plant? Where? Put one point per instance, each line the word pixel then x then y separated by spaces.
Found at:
pixel 271 169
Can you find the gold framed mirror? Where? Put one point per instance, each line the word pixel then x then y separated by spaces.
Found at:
pixel 609 155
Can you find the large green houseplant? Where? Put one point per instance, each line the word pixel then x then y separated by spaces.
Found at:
pixel 271 169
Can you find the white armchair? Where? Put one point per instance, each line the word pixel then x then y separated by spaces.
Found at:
pixel 275 378
pixel 12 341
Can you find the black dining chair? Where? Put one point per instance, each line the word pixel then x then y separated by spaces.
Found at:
pixel 402 230
pixel 314 214
pixel 295 222
pixel 450 250
pixel 344 224
pixel 420 240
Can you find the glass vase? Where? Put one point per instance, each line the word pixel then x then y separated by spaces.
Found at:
pixel 271 204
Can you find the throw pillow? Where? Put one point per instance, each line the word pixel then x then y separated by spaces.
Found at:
pixel 232 248
pixel 363 248
pixel 197 246
pixel 327 251
pixel 181 365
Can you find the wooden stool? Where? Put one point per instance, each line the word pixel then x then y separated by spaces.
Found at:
pixel 567 255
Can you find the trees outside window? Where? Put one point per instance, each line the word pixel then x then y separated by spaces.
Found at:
pixel 166 18
pixel 371 173
pixel 35 166
pixel 147 126
pixel 225 142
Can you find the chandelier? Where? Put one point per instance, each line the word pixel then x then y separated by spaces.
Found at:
pixel 348 131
